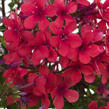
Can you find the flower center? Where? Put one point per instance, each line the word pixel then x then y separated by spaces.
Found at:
pixel 62 12
pixel 63 36
pixel 39 12
pixel 82 47
pixel 61 90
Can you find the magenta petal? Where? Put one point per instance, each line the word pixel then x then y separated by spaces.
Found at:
pixel 59 21
pixel 98 35
pixel 58 102
pixel 73 54
pixel 89 78
pixel 43 24
pixel 75 40
pixel 45 101
pixel 63 48
pixel 30 22
pixel 71 7
pixel 86 70
pixel 84 2
pixel 44 51
pixel 84 58
pixel 27 9
pixel 93 105
pixel 52 55
pixel 94 50
pixel 36 57
pixel 54 41
pixel 71 96
pixel 11 36
pixel 70 25
pixel 51 10
pixel 59 2
pixel 104 77
pixel 54 28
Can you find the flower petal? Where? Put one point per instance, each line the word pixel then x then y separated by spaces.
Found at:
pixel 54 28
pixel 71 26
pixel 36 57
pixel 43 69
pixel 59 21
pixel 84 58
pixel 71 7
pixel 59 2
pixel 93 105
pixel 44 51
pixel 84 2
pixel 98 35
pixel 52 55
pixel 94 50
pixel 11 36
pixel 43 24
pixel 39 54
pixel 58 102
pixel 27 9
pixel 51 10
pixel 45 101
pixel 73 54
pixel 54 41
pixel 75 40
pixel 86 70
pixel 63 48
pixel 41 3
pixel 30 22
pixel 89 78
pixel 104 77
pixel 71 96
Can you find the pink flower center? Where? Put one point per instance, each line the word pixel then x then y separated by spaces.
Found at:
pixel 76 67
pixel 39 13
pixel 82 47
pixel 61 90
pixel 63 36
pixel 62 12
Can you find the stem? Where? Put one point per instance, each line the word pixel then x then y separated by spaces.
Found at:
pixel 3 8
pixel 27 85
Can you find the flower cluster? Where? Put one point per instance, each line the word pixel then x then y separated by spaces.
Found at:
pixel 55 44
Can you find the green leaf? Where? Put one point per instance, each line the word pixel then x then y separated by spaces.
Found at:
pixel 2 41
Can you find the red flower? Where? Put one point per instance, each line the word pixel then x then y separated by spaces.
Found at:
pixel 11 100
pixel 39 89
pixel 104 10
pixel 37 13
pixel 65 39
pixel 50 82
pixel 14 27
pixel 45 101
pixel 12 58
pixel 84 2
pixel 94 105
pixel 101 66
pixel 62 91
pixel 73 74
pixel 88 48
pixel 15 75
pixel 63 11
pixel 107 43
pixel 41 48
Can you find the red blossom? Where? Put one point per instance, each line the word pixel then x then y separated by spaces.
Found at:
pixel 65 40
pixel 63 11
pixel 62 91
pixel 37 13
pixel 52 46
